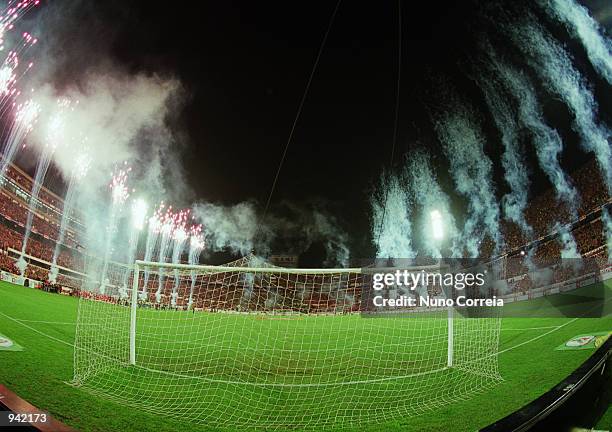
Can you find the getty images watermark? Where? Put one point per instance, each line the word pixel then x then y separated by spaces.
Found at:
pixel 512 286
pixel 428 289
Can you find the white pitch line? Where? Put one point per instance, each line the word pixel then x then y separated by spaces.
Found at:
pixel 537 337
pixel 547 333
pixel 46 322
pixel 37 331
pixel 528 328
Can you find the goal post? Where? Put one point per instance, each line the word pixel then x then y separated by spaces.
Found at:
pixel 450 336
pixel 133 308
pixel 251 345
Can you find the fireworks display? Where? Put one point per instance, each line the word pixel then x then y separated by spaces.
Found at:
pixel 67 127
pixel 118 186
pixel 61 126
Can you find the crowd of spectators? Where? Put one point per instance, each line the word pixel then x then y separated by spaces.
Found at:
pixel 16 210
pixel 46 221
pixel 25 182
pixel 545 210
pixel 14 240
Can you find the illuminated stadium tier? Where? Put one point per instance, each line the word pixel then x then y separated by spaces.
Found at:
pixel 272 348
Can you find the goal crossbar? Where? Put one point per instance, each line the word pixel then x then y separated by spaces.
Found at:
pixel 221 269
pixel 286 270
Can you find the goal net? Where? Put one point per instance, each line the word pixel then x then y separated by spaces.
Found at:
pixel 272 348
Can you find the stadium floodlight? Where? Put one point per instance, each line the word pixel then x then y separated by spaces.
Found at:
pixel 437 227
pixel 285 345
pixel 139 211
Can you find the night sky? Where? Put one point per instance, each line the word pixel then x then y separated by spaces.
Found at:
pixel 244 68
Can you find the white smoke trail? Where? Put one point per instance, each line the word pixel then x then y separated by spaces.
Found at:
pixel 153 231
pixel 119 194
pixel 570 248
pixel 428 194
pixel 25 118
pixel 554 66
pixel 471 170
pixel 606 220
pixel 42 166
pixel 69 201
pixel 180 239
pixel 516 175
pixel 579 22
pixel 240 229
pixel 80 166
pixel 391 226
pixel 196 245
pixel 137 222
pixel 165 247
pixel 547 142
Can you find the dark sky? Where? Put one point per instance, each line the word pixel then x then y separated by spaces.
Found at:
pixel 244 66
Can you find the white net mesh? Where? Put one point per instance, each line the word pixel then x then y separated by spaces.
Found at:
pixel 273 348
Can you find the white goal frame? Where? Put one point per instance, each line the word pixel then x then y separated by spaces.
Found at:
pixel 220 269
pixel 291 348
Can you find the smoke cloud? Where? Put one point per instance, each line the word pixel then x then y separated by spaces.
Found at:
pixel 391 213
pixel 109 114
pixel 516 175
pixel 579 22
pixel 568 243
pixel 241 229
pixel 429 196
pixel 229 227
pixel 606 220
pixel 471 169
pixel 546 140
pixel 554 66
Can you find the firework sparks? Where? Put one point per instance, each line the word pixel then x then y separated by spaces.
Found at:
pixel 118 186
pixel 139 213
pixel 81 165
pixel 27 114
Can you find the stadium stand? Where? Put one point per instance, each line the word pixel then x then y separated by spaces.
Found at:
pixel 587 231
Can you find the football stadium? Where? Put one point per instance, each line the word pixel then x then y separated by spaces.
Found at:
pixel 420 239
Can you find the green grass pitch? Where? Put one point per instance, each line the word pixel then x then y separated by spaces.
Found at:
pixel 44 324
